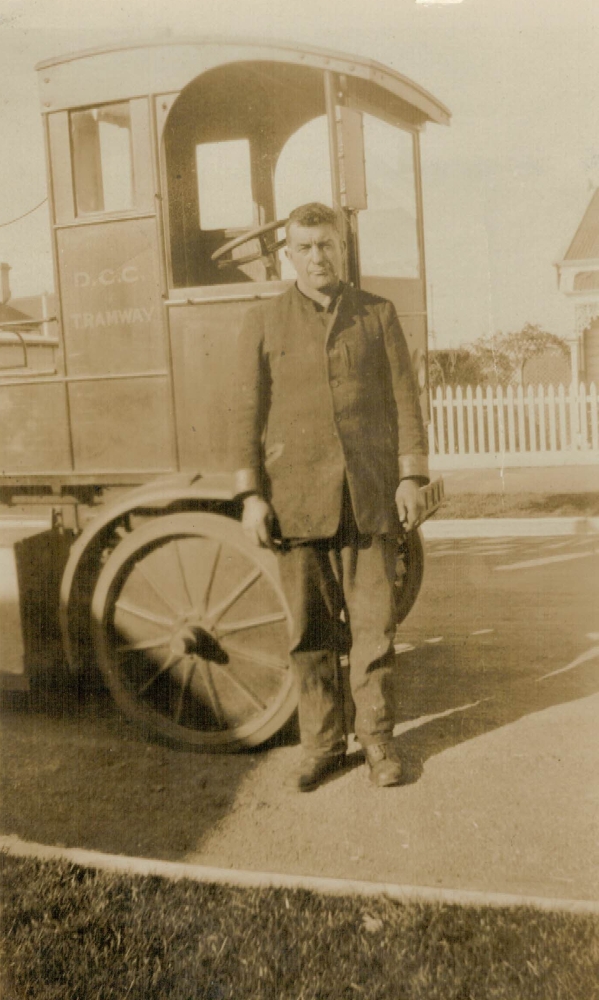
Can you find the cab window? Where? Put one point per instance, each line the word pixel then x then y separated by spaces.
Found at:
pixel 388 228
pixel 102 159
pixel 238 155
pixel 224 178
pixel 303 174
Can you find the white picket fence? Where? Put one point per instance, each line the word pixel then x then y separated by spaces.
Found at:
pixel 513 427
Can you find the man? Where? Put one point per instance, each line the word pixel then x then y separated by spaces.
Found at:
pixel 331 453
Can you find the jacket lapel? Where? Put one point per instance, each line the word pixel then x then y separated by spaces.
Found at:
pixel 345 308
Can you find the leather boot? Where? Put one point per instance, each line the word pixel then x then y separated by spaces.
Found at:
pixel 384 763
pixel 314 768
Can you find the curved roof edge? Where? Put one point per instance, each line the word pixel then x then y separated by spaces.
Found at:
pixel 383 75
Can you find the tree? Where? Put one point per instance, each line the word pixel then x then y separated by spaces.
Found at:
pixel 502 356
pixel 454 366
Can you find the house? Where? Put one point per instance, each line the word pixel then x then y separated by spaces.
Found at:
pixel 27 334
pixel 578 278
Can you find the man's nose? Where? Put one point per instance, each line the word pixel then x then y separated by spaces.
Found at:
pixel 316 253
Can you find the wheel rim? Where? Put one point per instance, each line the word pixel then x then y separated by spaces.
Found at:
pixel 191 631
pixel 409 573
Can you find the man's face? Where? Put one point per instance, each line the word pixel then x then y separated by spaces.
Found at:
pixel 316 253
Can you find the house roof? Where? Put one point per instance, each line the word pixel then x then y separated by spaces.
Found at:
pixel 8 314
pixel 585 245
pixel 586 281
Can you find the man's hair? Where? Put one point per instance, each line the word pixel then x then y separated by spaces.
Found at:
pixel 313 214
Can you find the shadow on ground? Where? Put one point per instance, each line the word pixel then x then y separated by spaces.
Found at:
pixel 465 707
pixel 76 773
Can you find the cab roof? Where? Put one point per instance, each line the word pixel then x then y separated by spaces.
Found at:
pixel 132 70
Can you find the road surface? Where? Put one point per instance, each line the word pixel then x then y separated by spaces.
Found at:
pixel 497 701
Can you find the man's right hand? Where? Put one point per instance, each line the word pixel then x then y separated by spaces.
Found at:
pixel 257 521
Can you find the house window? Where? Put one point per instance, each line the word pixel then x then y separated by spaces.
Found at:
pixel 102 159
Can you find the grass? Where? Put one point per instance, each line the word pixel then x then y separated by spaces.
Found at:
pixel 471 505
pixel 72 934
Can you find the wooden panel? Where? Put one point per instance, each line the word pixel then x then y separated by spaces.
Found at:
pixel 30 358
pixel 203 339
pixel 33 428
pixel 112 309
pixel 60 162
pixel 12 662
pixel 143 160
pixel 120 424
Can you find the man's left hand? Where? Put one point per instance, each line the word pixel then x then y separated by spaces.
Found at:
pixel 410 504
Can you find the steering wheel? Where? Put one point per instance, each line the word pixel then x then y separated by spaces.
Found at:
pixel 266 248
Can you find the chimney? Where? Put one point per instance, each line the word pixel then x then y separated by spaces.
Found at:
pixel 4 283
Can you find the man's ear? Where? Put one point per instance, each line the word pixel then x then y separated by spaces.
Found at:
pixel 288 255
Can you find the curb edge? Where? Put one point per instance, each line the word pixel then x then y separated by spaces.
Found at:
pixel 16 847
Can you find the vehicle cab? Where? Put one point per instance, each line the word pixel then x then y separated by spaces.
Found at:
pixel 159 157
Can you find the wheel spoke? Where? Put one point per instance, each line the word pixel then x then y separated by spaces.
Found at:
pixel 242 687
pixel 254 656
pixel 217 612
pixel 188 669
pixel 155 643
pixel 141 569
pixel 183 573
pixel 208 589
pixel 168 663
pixel 148 616
pixel 206 673
pixel 229 627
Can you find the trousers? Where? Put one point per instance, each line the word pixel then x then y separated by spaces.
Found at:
pixel 341 591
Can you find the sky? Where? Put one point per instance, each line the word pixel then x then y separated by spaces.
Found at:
pixel 505 186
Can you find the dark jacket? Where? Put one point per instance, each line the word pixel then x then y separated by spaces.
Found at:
pixel 317 405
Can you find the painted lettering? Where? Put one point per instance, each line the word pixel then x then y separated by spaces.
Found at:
pixel 112 317
pixel 106 277
pixel 129 274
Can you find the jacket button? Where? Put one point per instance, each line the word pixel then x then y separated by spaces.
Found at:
pixel 334 383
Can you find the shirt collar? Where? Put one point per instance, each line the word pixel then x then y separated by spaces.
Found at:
pixel 309 302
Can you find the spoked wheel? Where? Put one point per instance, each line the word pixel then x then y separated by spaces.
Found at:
pixel 409 572
pixel 191 630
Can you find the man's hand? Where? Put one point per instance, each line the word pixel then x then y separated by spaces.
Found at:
pixel 410 504
pixel 257 521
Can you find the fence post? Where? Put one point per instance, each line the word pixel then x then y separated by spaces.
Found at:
pixel 574 418
pixel 491 420
pixel 480 421
pixel 440 421
pixel 563 425
pixel 551 414
pixel 584 424
pixel 500 420
pixel 450 430
pixel 470 420
pixel 511 429
pixel 521 424
pixel 532 429
pixel 594 417
pixel 459 405
pixel 541 413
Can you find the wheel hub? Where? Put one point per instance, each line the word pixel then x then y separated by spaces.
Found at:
pixel 195 640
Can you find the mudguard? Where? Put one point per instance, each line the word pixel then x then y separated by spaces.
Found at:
pixel 159 495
